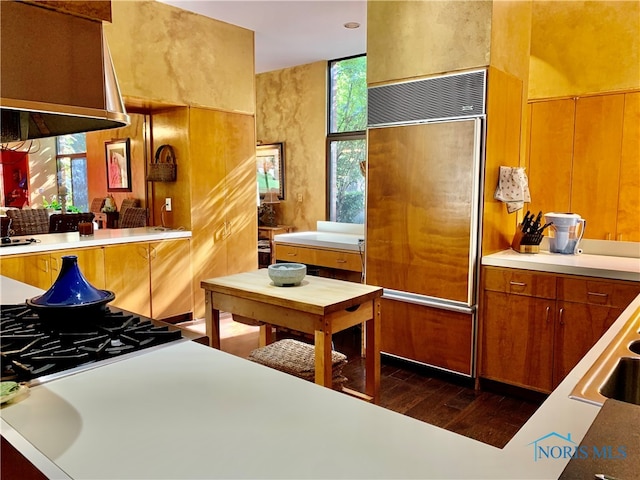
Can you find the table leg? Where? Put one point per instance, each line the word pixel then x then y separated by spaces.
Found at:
pixel 212 320
pixel 372 362
pixel 266 335
pixel 324 366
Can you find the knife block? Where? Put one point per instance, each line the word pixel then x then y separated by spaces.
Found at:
pixel 520 247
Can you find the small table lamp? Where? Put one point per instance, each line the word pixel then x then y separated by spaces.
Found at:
pixel 267 211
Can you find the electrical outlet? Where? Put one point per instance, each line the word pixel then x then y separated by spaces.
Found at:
pixel 167 204
pixel 300 197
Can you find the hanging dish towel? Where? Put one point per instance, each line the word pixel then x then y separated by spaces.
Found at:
pixel 513 188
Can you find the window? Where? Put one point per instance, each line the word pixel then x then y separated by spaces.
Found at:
pixel 71 164
pixel 347 139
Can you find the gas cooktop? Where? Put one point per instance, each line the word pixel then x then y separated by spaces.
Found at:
pixel 36 351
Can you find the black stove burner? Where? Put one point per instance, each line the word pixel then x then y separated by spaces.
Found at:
pixel 31 348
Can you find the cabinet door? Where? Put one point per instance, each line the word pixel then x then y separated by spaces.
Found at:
pixel 90 262
pixel 223 196
pixel 171 292
pixel 240 199
pixel 420 220
pixel 30 269
pixel 127 275
pixel 517 340
pixel 628 226
pixel 579 327
pixel 427 335
pixel 596 163
pixel 550 155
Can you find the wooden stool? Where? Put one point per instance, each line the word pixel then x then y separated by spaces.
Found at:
pixel 298 358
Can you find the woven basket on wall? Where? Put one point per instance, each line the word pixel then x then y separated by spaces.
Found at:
pixel 163 168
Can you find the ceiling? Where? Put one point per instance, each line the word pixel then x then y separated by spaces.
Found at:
pixel 291 32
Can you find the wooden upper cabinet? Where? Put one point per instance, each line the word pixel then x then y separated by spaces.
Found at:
pixel 596 163
pixel 628 225
pixel 551 155
pixel 99 10
pixel 584 157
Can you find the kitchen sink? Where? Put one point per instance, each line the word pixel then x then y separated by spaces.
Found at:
pixel 624 382
pixel 616 373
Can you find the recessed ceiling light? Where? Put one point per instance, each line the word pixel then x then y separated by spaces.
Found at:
pixel 352 25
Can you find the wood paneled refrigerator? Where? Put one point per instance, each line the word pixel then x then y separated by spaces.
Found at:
pixel 424 180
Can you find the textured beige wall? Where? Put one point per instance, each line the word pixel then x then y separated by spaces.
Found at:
pixel 291 106
pixel 580 47
pixel 168 55
pixel 511 37
pixel 408 39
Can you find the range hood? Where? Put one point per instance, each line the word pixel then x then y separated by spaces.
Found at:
pixel 57 75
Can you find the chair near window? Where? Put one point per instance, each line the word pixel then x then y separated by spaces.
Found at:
pixel 29 221
pixel 128 203
pixel 96 205
pixel 5 226
pixel 133 217
pixel 68 222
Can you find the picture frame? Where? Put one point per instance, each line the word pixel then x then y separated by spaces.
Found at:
pixel 118 162
pixel 270 169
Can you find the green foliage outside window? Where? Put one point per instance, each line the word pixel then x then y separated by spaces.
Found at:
pixel 349 95
pixel 347 153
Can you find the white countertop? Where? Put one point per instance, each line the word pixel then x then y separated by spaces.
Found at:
pixel 604 266
pixel 189 411
pixel 108 236
pixel 335 241
pixel 331 235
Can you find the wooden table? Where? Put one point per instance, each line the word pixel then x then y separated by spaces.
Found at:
pixel 319 306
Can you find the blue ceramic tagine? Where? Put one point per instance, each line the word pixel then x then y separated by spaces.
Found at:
pixel 71 294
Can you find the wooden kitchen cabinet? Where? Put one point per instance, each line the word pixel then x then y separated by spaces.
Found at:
pixel 596 163
pixel 222 192
pixel 628 221
pixel 33 269
pixel 127 275
pixel 581 148
pixel 330 258
pixel 170 270
pixel 517 328
pixel 586 309
pixel 42 269
pixel 536 326
pixel 551 155
pixel 90 262
pixel 151 279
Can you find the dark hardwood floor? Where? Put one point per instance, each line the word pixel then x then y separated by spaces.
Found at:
pixel 448 401
pixel 442 399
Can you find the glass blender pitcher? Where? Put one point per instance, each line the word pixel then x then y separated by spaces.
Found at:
pixel 566 231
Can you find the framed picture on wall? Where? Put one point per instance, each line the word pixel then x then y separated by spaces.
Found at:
pixel 270 169
pixel 118 158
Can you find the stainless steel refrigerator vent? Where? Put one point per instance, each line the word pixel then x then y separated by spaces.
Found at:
pixel 452 96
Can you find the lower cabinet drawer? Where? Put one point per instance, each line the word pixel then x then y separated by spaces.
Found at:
pixel 426 335
pixel 597 292
pixel 520 282
pixel 321 257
